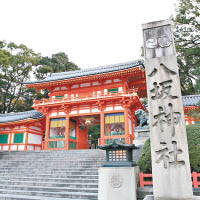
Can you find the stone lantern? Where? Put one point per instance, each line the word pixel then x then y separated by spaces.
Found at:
pixel 118 154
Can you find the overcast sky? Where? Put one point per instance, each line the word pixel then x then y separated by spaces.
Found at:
pixel 91 32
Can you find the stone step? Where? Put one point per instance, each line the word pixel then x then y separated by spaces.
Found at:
pixel 54 157
pixel 51 163
pixel 26 197
pixel 33 164
pixel 71 195
pixel 48 184
pixel 39 179
pixel 51 171
pixel 67 168
pixel 47 189
pixel 52 175
pixel 50 160
pixel 56 167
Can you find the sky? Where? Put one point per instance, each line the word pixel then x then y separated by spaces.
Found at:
pixel 91 32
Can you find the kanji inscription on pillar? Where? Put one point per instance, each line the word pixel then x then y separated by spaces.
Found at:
pixel 169 149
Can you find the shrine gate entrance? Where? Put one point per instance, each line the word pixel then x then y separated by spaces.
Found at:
pixel 85 131
pixel 108 96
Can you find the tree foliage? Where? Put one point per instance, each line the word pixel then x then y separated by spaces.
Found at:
pixel 58 62
pixel 187 40
pixel 193 137
pixel 15 66
pixel 94 133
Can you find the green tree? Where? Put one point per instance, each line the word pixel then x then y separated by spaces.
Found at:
pixel 58 62
pixel 187 40
pixel 15 67
pixel 94 133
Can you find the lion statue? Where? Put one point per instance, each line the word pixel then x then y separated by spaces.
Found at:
pixel 142 117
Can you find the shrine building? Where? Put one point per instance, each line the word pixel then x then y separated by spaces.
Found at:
pixel 21 131
pixel 190 104
pixel 108 96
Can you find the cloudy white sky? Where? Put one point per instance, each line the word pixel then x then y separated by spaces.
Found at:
pixel 91 32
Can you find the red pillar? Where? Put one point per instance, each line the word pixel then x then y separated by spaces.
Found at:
pixel 132 127
pixel 102 142
pixel 47 132
pixel 78 139
pixel 10 140
pixel 126 124
pixel 67 132
pixel 102 124
pixel 26 139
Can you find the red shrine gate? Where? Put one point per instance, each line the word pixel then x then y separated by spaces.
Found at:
pixel 106 95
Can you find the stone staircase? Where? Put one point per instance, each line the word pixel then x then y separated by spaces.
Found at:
pixel 50 175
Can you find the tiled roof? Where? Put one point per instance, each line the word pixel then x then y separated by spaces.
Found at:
pixel 90 71
pixel 191 100
pixel 12 117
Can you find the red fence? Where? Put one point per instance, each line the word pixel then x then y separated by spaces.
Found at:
pixel 194 176
pixel 143 182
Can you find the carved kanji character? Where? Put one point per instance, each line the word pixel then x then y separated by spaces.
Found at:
pixel 161 119
pixel 165 68
pixel 170 118
pixel 162 91
pixel 163 157
pixel 175 153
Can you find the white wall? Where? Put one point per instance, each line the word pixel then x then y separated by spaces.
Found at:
pixel 34 139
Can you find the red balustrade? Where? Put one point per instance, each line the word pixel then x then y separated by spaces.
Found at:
pixel 143 182
pixel 82 97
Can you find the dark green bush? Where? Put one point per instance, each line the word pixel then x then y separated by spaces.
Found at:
pixel 193 135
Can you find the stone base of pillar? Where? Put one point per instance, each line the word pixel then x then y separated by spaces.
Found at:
pixel 118 183
pixel 151 197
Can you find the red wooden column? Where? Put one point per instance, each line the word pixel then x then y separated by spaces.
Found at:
pixel 126 123
pixel 46 133
pixel 78 139
pixel 46 113
pixel 10 139
pixel 67 132
pixel 132 126
pixel 26 139
pixel 67 111
pixel 102 124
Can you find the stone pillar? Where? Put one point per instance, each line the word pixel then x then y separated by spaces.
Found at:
pixel 169 148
